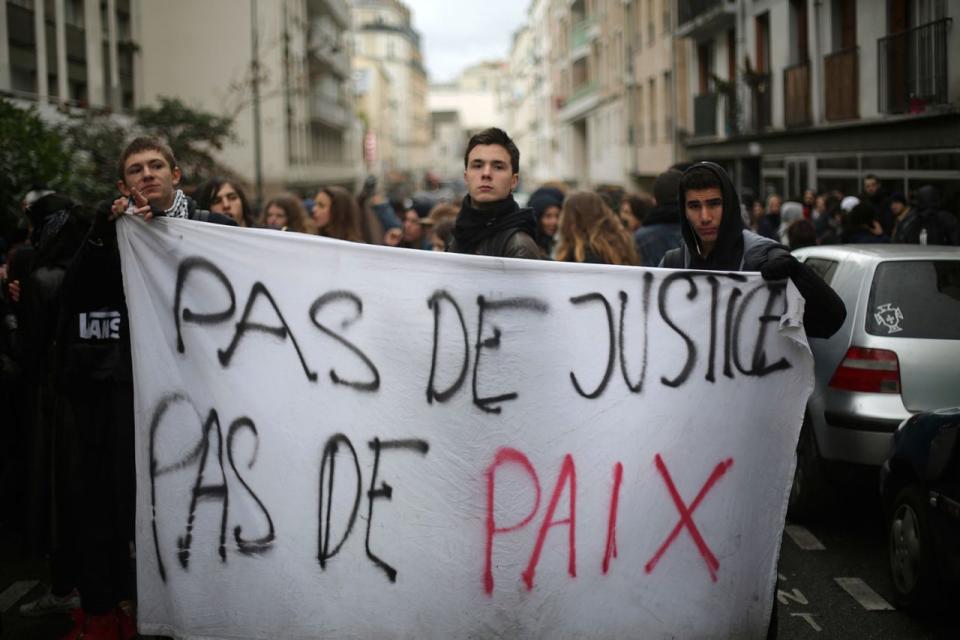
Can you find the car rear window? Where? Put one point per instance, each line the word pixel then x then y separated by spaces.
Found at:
pixel 823 268
pixel 915 299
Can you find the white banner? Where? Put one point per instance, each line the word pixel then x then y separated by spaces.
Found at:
pixel 347 441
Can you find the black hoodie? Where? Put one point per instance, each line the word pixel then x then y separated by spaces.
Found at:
pixel 738 249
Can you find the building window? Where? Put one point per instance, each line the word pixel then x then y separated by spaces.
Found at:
pixel 73 13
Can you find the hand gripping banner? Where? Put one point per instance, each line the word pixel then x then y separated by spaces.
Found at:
pixel 350 441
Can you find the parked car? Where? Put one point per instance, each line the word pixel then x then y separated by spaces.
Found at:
pixel 920 488
pixel 897 353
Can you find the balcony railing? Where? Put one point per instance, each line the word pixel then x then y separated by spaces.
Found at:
pixel 705 114
pixel 328 110
pixel 690 9
pixel 582 34
pixel 842 85
pixel 701 19
pixel 796 95
pixel 912 68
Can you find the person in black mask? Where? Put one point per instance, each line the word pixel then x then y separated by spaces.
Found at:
pixel 714 239
pixel 490 223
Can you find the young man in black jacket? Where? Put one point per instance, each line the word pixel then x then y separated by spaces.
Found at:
pixel 714 239
pixel 490 222
pixel 97 374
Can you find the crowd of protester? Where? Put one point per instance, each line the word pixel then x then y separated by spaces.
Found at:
pixel 602 226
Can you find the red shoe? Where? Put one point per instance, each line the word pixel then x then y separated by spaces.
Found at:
pixel 127 619
pixel 105 626
pixel 78 619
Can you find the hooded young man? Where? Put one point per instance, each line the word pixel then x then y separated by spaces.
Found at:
pixel 490 222
pixel 714 239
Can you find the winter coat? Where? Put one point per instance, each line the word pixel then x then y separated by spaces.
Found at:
pixel 659 233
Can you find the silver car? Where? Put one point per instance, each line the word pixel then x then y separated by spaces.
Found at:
pixel 897 353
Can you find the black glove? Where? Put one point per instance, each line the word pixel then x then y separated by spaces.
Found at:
pixel 103 229
pixel 779 265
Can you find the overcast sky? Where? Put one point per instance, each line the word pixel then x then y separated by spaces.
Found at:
pixel 458 33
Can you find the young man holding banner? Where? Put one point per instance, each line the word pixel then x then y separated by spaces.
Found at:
pixel 714 239
pixel 96 373
pixel 490 222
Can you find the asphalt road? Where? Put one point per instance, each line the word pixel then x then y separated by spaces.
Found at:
pixel 834 581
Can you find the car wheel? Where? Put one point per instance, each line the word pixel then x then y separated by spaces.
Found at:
pixel 912 553
pixel 809 490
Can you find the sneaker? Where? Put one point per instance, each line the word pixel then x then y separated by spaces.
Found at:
pixel 49 605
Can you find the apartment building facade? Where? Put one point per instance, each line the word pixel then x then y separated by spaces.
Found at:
pixel 616 99
pixel 284 72
pixel 70 52
pixel 383 35
pixel 300 133
pixel 795 94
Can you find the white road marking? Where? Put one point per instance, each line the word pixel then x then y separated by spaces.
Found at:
pixel 781 577
pixel 809 618
pixel 785 597
pixel 863 594
pixel 14 592
pixel 802 537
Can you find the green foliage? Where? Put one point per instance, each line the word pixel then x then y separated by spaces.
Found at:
pixel 95 141
pixel 30 153
pixel 79 157
pixel 193 135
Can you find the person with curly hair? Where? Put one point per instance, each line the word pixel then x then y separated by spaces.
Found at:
pixel 337 215
pixel 286 213
pixel 591 232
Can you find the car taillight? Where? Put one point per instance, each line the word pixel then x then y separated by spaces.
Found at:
pixel 868 370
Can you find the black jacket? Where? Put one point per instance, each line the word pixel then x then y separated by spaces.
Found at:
pixel 94 336
pixel 737 249
pixel 926 222
pixel 507 231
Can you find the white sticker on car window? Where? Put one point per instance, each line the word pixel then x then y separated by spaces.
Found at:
pixel 890 317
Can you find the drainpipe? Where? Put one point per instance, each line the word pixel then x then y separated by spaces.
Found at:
pixel 674 155
pixel 255 68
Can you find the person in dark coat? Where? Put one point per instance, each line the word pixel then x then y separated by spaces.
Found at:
pixel 714 239
pixel 925 222
pixel 768 225
pixel 660 231
pixel 490 222
pixel 862 227
pixel 96 373
pixel 546 203
pixel 874 194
